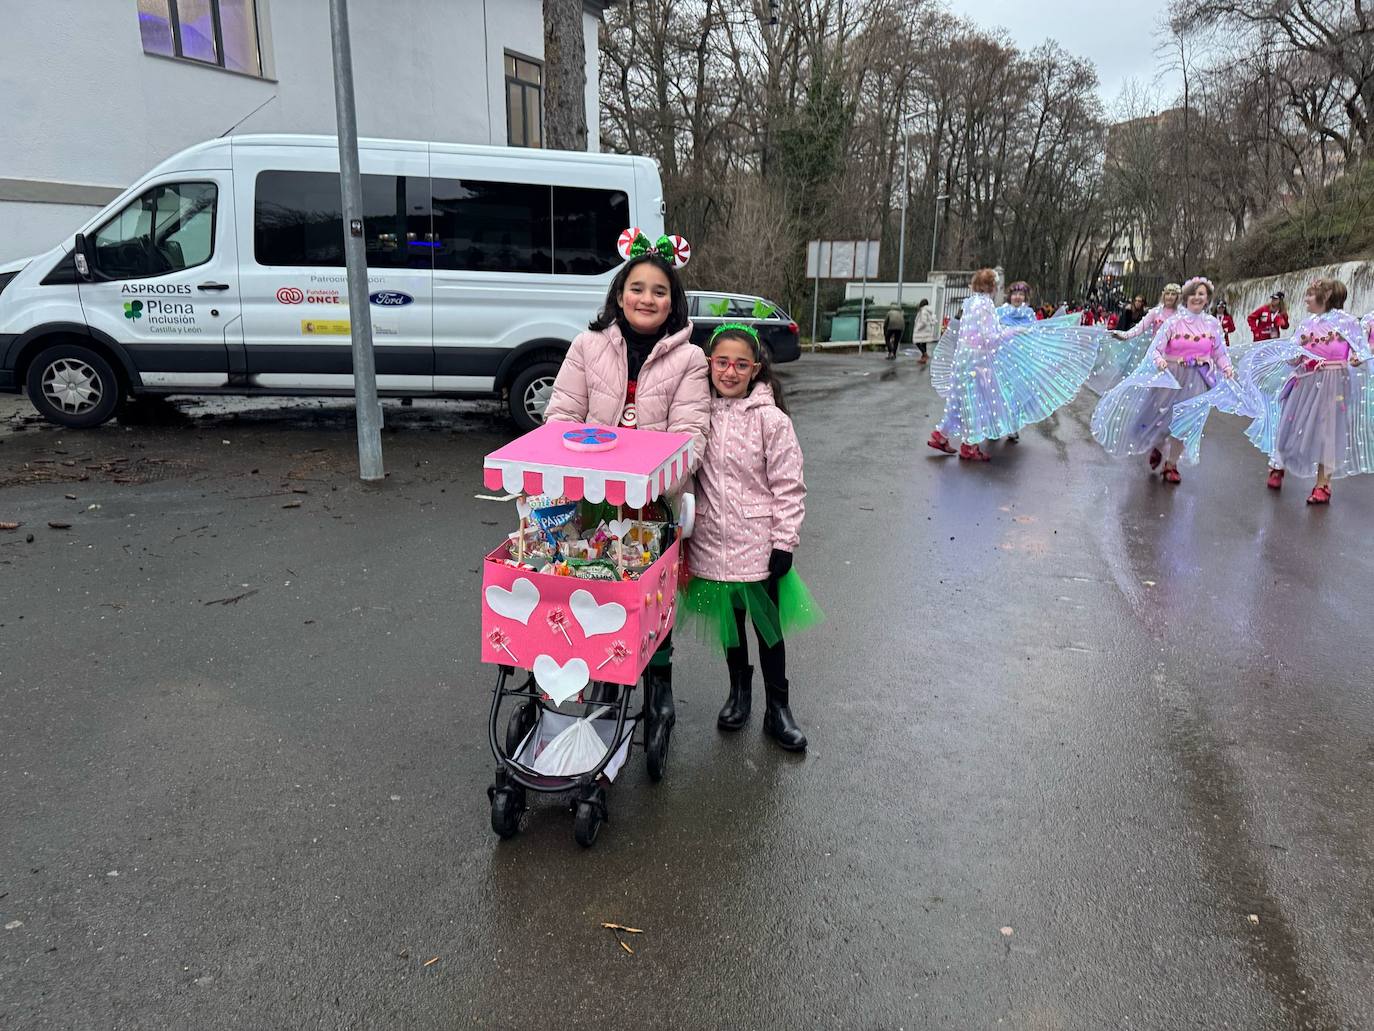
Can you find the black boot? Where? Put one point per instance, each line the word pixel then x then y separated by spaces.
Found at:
pixel 778 721
pixel 735 713
pixel 661 694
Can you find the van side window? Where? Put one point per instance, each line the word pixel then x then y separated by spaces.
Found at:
pixel 169 228
pixel 492 227
pixel 586 224
pixel 298 220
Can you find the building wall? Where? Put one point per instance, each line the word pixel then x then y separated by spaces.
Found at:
pixel 84 103
pixel 1245 295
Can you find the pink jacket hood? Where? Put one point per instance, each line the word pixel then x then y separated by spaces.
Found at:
pixel 673 390
pixel 751 497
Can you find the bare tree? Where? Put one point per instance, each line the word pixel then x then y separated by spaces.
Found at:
pixel 771 132
pixel 565 77
pixel 1335 39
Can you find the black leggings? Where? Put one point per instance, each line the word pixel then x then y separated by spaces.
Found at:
pixel 772 661
pixel 894 340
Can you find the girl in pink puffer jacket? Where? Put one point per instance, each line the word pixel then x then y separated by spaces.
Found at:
pixel 637 366
pixel 750 505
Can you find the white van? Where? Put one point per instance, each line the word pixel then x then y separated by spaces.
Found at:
pixel 222 272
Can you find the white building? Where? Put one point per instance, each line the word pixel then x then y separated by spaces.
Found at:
pixel 99 91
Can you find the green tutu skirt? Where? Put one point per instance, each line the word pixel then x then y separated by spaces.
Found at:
pixel 709 607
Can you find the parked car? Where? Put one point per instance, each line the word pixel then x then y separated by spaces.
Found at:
pixel 775 327
pixel 221 271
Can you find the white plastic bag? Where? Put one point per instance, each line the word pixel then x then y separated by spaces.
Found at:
pixel 554 725
pixel 575 750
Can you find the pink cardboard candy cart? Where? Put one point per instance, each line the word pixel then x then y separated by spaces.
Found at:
pixel 578 638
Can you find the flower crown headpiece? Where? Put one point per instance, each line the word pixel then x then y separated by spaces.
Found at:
pixel 1018 287
pixel 1172 288
pixel 1202 281
pixel 673 249
pixel 736 327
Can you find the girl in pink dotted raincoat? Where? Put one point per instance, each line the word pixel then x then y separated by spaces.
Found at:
pixel 750 503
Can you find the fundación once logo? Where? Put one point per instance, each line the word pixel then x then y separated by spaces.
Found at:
pixel 133 309
pixel 290 295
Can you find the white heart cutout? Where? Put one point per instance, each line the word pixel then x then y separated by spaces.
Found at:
pixel 618 528
pixel 593 618
pixel 561 682
pixel 518 603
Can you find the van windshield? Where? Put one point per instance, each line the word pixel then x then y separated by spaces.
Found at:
pixel 166 229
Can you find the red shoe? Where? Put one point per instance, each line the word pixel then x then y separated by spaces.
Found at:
pixel 924 359
pixel 940 442
pixel 1275 479
pixel 1156 456
pixel 1171 475
pixel 1319 496
pixel 973 453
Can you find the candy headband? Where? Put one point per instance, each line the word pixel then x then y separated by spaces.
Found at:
pixel 1200 281
pixel 673 249
pixel 734 327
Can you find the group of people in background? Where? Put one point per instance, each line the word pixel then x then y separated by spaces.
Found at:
pixel 1266 322
pixel 1159 372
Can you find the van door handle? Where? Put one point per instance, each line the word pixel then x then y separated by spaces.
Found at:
pixel 213 286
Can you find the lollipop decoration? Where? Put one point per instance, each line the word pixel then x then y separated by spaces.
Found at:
pixel 674 250
pixel 617 653
pixel 500 640
pixel 558 623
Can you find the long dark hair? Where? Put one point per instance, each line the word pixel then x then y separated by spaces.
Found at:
pixel 761 356
pixel 677 312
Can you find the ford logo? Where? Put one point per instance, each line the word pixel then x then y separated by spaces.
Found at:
pixel 390 298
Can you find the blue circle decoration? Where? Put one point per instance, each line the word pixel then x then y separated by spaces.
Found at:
pixel 589 436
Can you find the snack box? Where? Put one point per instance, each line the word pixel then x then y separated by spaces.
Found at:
pixel 570 631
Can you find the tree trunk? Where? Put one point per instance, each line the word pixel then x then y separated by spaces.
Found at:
pixel 565 76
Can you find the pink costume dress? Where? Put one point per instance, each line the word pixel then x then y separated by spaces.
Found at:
pixel 1316 404
pixel 1135 416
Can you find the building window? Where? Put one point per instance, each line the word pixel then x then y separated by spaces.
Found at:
pixel 217 32
pixel 524 102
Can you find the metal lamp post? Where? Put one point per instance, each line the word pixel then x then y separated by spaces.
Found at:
pixel 935 229
pixel 901 235
pixel 369 410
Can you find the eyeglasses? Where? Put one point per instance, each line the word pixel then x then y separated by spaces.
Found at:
pixel 740 365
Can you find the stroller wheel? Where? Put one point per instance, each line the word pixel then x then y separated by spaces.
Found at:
pixel 591 813
pixel 507 807
pixel 521 721
pixel 656 749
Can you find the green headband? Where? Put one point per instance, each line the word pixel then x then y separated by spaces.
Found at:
pixel 736 327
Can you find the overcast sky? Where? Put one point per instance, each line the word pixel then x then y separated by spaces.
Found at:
pixel 1119 38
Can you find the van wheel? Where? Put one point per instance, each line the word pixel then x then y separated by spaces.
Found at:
pixel 530 392
pixel 72 385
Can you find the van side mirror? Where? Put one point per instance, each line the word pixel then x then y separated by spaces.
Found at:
pixel 84 257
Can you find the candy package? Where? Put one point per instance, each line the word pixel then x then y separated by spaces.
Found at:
pixel 564 538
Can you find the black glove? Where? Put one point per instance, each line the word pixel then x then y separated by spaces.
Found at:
pixel 779 564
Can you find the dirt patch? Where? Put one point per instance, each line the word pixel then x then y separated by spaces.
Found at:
pixel 117 470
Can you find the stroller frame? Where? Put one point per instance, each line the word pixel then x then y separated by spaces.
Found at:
pixel 508 794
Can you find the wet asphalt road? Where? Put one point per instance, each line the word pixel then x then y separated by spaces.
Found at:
pixel 1087 751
